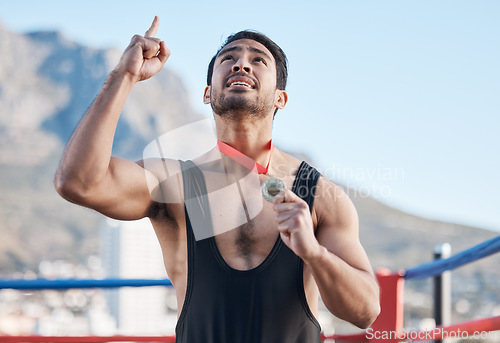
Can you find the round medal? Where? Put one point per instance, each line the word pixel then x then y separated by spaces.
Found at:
pixel 271 187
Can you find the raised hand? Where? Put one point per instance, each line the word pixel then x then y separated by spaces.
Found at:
pixel 145 55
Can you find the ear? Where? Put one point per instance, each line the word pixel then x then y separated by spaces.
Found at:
pixel 206 95
pixel 281 99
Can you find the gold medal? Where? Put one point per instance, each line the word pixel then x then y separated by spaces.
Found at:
pixel 271 187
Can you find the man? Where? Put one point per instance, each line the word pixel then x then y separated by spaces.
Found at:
pixel 255 273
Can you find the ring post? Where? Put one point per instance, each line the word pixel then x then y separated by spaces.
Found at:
pixel 442 289
pixel 390 319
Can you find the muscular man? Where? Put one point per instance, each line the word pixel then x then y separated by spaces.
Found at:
pixel 255 274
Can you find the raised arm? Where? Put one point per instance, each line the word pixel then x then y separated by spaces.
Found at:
pixel 87 174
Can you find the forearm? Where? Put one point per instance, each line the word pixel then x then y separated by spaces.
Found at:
pixel 349 293
pixel 86 159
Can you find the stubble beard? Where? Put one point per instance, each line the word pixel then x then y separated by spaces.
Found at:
pixel 235 107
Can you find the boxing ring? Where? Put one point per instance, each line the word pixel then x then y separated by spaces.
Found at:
pixel 387 328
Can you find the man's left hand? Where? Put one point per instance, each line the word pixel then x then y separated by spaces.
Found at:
pixel 295 224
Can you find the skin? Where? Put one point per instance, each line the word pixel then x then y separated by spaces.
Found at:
pixel 335 263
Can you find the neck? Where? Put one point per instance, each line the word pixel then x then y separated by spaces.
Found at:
pixel 249 137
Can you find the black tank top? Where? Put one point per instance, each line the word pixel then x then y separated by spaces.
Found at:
pixel 266 304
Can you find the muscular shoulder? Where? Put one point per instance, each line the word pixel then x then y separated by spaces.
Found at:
pixel 338 225
pixel 162 168
pixel 167 188
pixel 333 208
pixel 284 165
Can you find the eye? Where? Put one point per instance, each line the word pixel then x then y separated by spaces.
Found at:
pixel 260 59
pixel 226 58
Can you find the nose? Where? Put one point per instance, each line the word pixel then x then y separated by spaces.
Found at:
pixel 242 65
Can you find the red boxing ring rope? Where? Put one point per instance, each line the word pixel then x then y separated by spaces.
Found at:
pixel 463 329
pixel 86 339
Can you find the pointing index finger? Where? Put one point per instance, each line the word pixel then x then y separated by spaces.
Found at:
pixel 151 32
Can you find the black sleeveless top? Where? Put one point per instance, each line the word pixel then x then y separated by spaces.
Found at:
pixel 266 304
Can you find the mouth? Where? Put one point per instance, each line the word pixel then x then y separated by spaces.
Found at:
pixel 240 82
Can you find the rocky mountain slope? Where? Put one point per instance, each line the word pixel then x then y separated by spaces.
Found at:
pixel 47 82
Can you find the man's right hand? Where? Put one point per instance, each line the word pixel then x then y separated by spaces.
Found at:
pixel 145 55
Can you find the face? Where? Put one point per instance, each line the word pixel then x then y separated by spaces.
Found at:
pixel 244 82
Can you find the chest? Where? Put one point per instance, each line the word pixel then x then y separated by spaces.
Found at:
pixel 243 222
pixel 248 245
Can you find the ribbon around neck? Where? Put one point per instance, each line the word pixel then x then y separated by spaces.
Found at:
pixel 243 159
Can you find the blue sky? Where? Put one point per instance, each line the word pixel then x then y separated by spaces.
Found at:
pixel 397 98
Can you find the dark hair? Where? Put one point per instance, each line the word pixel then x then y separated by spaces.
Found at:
pixel 278 54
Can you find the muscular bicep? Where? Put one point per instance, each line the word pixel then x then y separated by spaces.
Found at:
pixel 123 193
pixel 338 225
pixel 129 189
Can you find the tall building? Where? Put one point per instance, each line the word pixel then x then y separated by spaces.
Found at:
pixel 130 250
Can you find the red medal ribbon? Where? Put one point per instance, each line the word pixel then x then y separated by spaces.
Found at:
pixel 243 159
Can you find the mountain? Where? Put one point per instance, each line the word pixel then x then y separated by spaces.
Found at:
pixel 47 82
